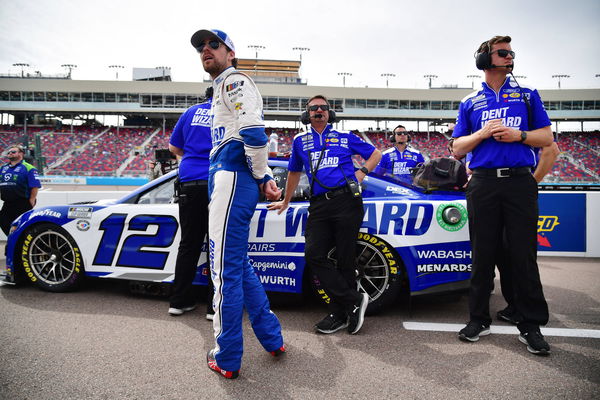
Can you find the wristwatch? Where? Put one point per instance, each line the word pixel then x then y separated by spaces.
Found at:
pixel 364 170
pixel 523 136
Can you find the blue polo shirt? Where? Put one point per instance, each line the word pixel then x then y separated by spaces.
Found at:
pixel 16 181
pixel 336 165
pixel 192 134
pixel 509 105
pixel 394 161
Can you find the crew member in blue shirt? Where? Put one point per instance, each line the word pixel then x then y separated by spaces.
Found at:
pixel 399 159
pixel 19 185
pixel 501 124
pixel 335 212
pixel 191 142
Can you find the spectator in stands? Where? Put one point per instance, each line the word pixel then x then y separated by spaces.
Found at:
pixel 273 144
pixel 191 142
pixel 399 159
pixel 502 194
pixel 335 212
pixel 19 185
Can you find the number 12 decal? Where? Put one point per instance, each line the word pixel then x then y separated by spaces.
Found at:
pixel 131 254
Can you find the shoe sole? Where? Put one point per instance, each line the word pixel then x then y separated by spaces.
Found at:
pixel 504 318
pixel 332 330
pixel 531 349
pixel 361 313
pixel 179 311
pixel 484 332
pixel 212 365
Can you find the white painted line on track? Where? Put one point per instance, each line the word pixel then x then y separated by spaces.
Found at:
pixel 502 330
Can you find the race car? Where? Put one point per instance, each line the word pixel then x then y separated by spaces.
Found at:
pixel 409 238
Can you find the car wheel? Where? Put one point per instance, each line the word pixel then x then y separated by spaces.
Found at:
pixel 51 259
pixel 378 272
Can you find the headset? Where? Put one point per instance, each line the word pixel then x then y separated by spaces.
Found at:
pixel 392 136
pixel 305 116
pixel 483 59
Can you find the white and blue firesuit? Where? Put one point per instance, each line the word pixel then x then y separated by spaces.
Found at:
pixel 238 164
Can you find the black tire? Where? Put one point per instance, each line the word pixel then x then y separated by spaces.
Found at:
pixel 51 259
pixel 379 272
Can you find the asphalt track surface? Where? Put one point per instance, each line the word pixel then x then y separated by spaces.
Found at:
pixel 103 342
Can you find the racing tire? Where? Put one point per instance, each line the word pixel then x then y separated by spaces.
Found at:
pixel 379 272
pixel 51 258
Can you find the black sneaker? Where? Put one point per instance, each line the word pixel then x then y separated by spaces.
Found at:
pixel 535 343
pixel 472 331
pixel 331 324
pixel 508 315
pixel 356 316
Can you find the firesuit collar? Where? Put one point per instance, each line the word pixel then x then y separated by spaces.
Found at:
pixel 203 34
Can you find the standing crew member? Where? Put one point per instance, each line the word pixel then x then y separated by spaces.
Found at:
pixel 19 185
pixel 190 141
pixel 238 174
pixel 336 210
pixel 399 159
pixel 500 124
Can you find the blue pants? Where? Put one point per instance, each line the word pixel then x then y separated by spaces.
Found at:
pixel 233 198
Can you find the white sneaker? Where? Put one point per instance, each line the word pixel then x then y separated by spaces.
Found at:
pixel 179 311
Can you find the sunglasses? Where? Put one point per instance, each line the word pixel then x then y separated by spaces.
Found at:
pixel 13 152
pixel 504 53
pixel 213 44
pixel 323 107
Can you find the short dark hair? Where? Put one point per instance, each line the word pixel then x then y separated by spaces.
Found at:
pixel 318 96
pixel 399 126
pixel 486 46
pixel 234 62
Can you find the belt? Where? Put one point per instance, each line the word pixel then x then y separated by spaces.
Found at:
pixel 502 172
pixel 198 182
pixel 331 194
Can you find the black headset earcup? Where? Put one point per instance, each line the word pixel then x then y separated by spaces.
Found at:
pixel 331 119
pixel 304 118
pixel 483 60
pixel 392 138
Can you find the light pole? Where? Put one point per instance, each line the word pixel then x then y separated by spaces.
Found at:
pixel 116 68
pixel 430 77
pixel 559 76
pixel 70 67
pixel 163 69
pixel 473 80
pixel 387 76
pixel 300 49
pixel 344 75
pixel 22 65
pixel 256 47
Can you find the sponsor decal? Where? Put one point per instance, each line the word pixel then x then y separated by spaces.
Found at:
pixel 82 225
pixel 442 254
pixel 263 266
pixel 515 95
pixel 397 190
pixel 332 140
pixel 238 105
pixel 479 98
pixel 234 85
pixel 46 213
pixel 447 226
pixel 424 269
pixel 546 223
pixel 80 212
pixel 504 95
pixel 562 222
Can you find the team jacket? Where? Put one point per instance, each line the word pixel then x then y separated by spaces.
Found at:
pixel 398 162
pixel 16 182
pixel 336 164
pixel 509 105
pixel 238 132
pixel 192 135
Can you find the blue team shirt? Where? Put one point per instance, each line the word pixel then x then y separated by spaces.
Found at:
pixel 394 161
pixel 16 181
pixel 336 165
pixel 508 104
pixel 192 134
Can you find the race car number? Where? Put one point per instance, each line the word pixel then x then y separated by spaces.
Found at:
pixel 131 253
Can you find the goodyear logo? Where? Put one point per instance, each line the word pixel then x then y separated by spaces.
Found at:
pixel 546 223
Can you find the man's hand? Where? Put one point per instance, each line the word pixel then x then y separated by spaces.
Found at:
pixel 271 191
pixel 489 128
pixel 278 205
pixel 505 134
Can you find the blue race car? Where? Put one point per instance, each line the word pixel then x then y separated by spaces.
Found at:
pixel 409 238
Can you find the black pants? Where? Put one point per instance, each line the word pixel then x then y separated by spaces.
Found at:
pixel 330 223
pixel 193 219
pixel 10 211
pixel 508 205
